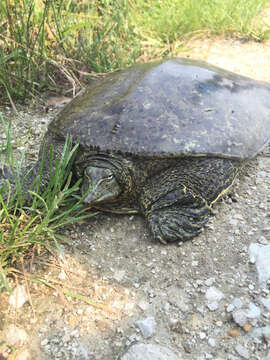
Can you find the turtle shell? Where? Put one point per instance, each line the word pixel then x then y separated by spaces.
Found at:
pixel 176 107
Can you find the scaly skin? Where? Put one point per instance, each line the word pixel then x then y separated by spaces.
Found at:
pixel 176 201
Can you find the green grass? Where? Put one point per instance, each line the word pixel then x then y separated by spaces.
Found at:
pixel 57 45
pixel 167 21
pixel 34 224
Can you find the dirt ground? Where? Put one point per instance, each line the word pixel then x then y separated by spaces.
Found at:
pixel 114 261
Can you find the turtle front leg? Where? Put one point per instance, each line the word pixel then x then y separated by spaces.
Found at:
pixel 176 201
pixel 178 215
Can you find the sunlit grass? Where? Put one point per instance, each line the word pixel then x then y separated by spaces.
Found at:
pixel 30 220
pixel 57 45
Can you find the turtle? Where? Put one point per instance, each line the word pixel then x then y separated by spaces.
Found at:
pixel 165 139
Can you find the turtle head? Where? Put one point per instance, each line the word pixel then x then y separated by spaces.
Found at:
pixel 100 185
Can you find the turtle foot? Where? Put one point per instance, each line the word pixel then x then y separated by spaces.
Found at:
pixel 178 223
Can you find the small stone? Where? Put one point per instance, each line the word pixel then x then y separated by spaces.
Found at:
pixel 240 317
pixel 213 296
pixel 212 342
pixel 44 342
pixel 18 297
pixel 147 326
pixel 262 240
pixel 143 305
pixel 237 303
pixel 266 303
pixel 242 351
pixel 149 352
pixel 247 327
pixel 202 335
pixel 261 332
pixel 119 275
pixel 230 308
pixel 209 282
pixel 212 306
pixel 261 255
pixel 16 335
pixel 234 332
pixel 254 311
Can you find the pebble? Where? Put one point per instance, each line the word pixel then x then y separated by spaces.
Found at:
pixel 261 332
pixel 240 317
pixel 213 296
pixel 147 326
pixel 16 335
pixel 266 303
pixel 230 308
pixel 260 255
pixel 143 305
pixel 18 297
pixel 242 351
pixel 149 352
pixel 234 332
pixel 202 335
pixel 209 281
pixel 254 311
pixel 212 342
pixel 119 275
pixel 237 303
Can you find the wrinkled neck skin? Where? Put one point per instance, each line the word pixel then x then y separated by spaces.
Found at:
pixel 124 176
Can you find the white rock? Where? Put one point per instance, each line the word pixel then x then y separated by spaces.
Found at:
pixel 119 275
pixel 230 308
pixel 213 305
pixel 212 342
pixel 202 335
pixel 259 332
pixel 254 311
pixel 147 326
pixel 209 282
pixel 18 297
pixel 143 305
pixel 149 352
pixel 240 317
pixel 213 294
pixel 266 303
pixel 237 303
pixel 261 255
pixel 267 356
pixel 242 351
pixel 16 335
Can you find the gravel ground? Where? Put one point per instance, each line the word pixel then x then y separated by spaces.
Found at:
pixel 206 299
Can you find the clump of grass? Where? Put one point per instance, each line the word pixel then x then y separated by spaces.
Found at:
pixel 163 22
pixel 26 224
pixel 53 45
pixel 48 43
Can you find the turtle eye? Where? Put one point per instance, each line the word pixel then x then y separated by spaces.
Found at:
pixel 110 177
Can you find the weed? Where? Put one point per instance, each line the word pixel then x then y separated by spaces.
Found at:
pixel 32 219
